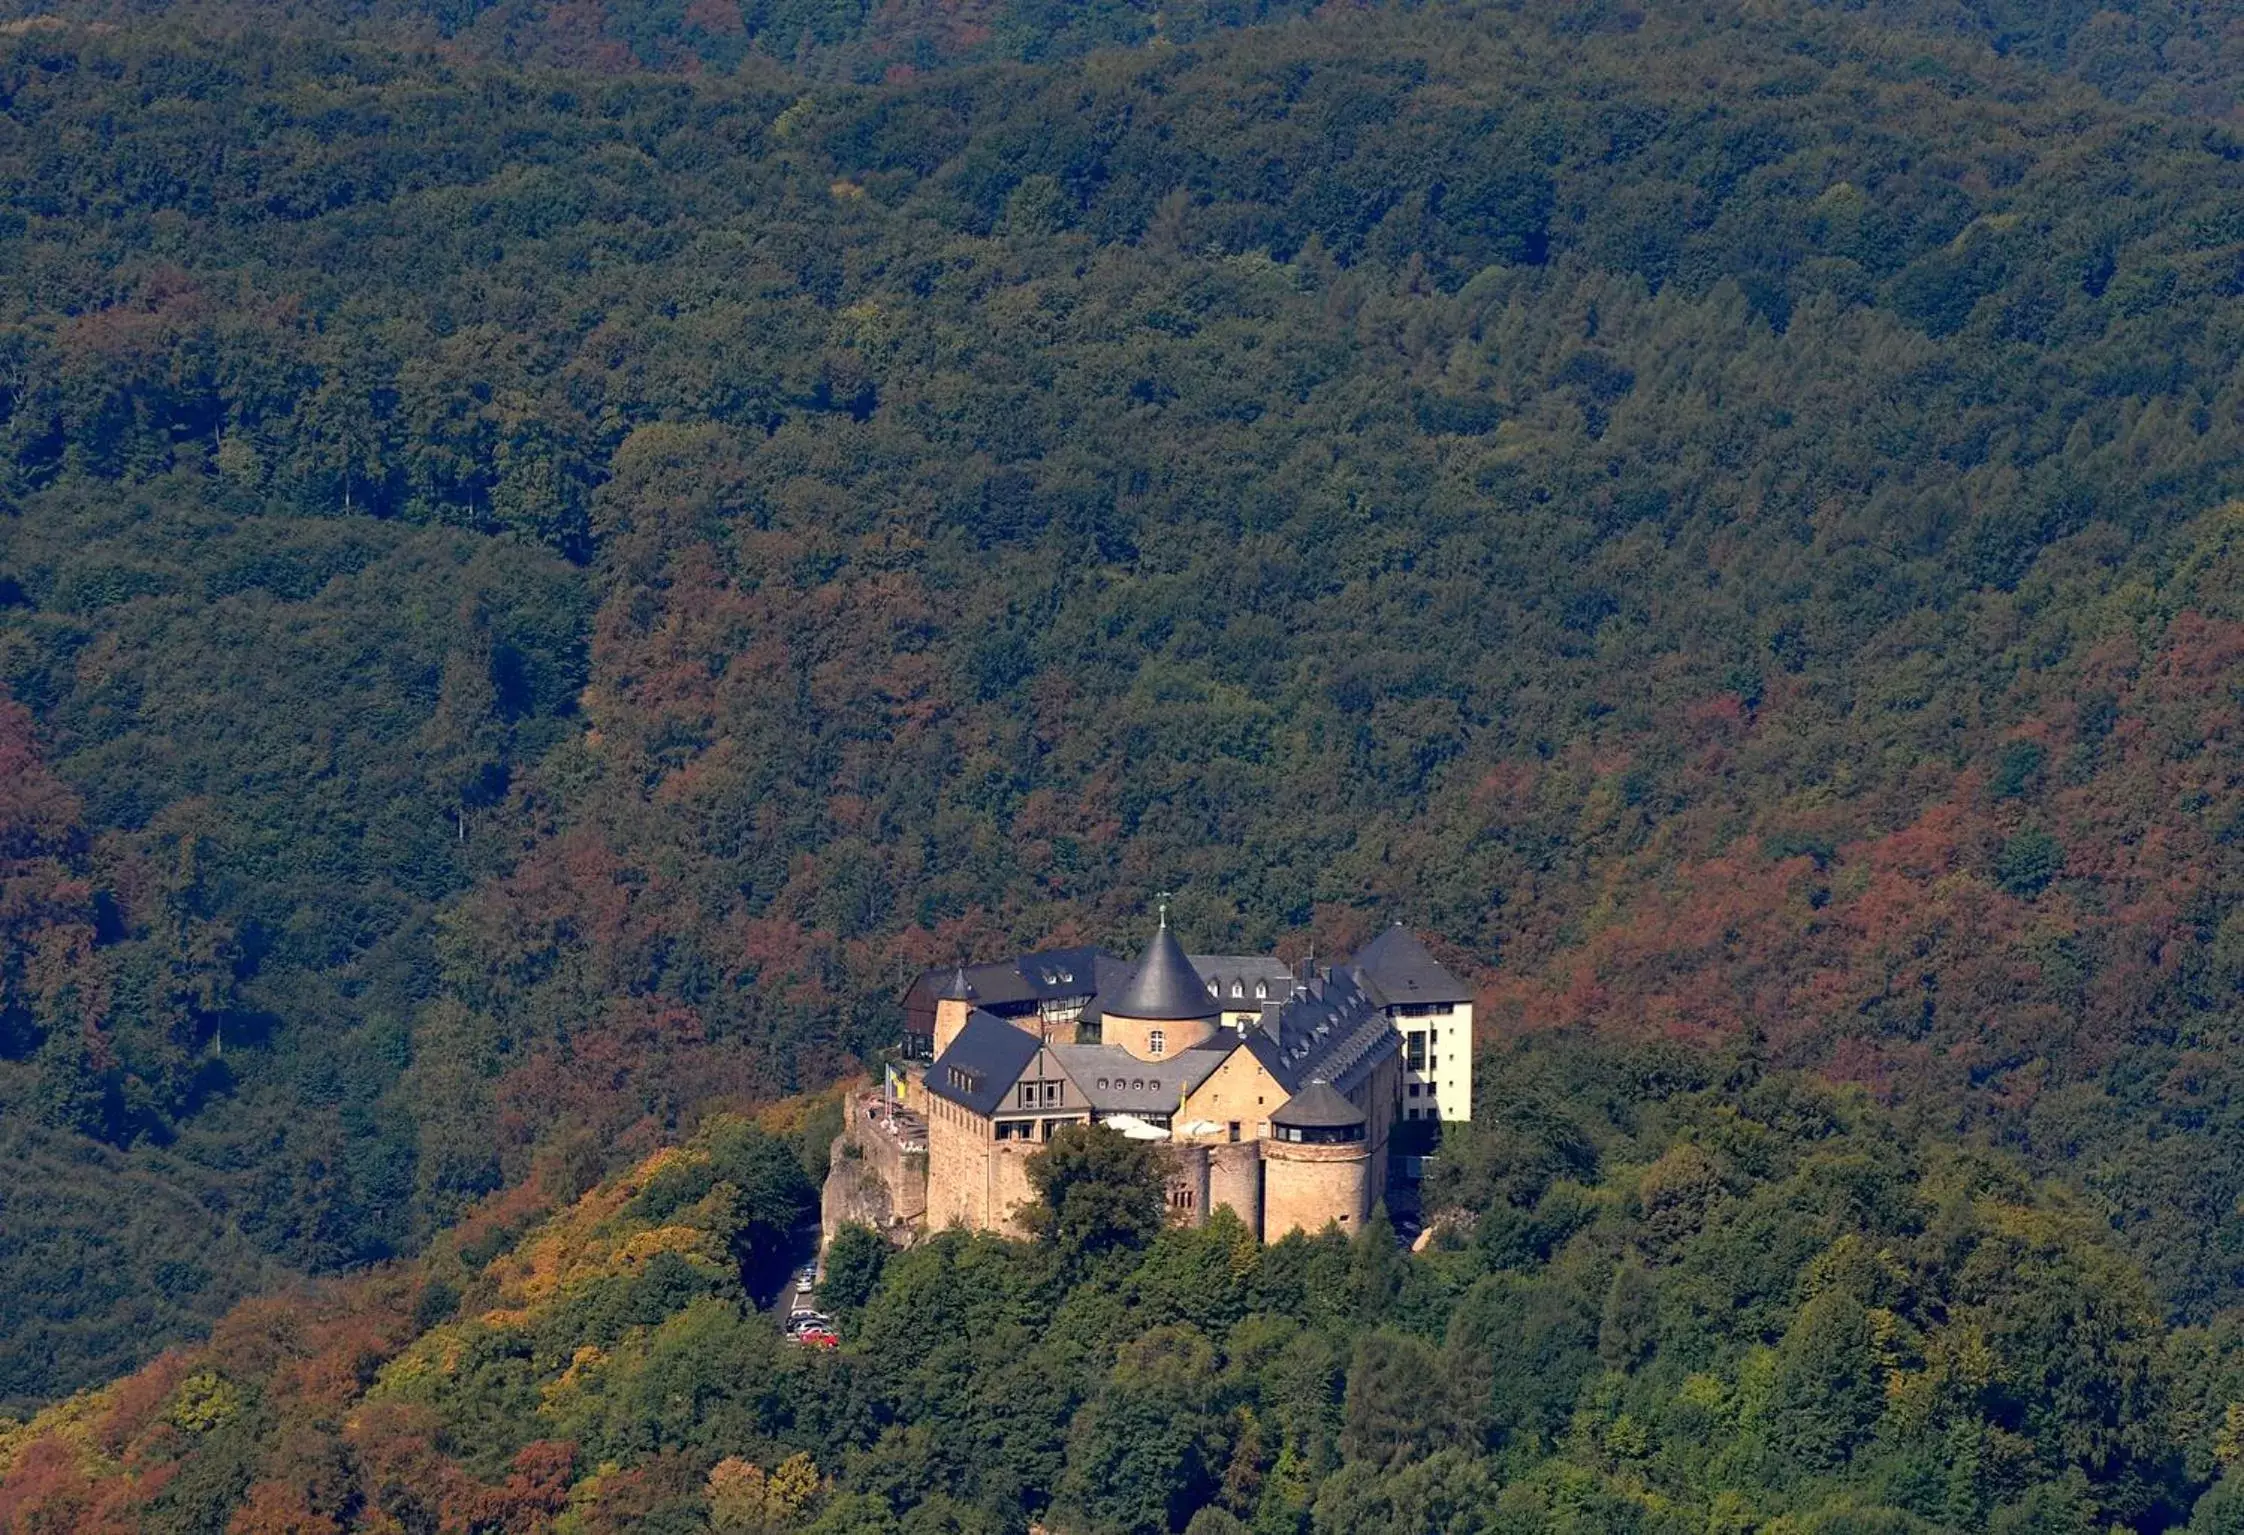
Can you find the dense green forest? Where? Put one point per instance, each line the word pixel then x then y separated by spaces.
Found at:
pixel 535 590
pixel 1697 1295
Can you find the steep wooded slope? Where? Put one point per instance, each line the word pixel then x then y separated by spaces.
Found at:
pixel 551 592
pixel 1696 1294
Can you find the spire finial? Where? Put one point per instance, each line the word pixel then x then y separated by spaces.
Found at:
pixel 1163 898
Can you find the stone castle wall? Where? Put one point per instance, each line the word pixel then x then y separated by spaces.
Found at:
pixel 954 1167
pixel 1235 1179
pixel 1186 1187
pixel 878 1176
pixel 1009 1186
pixel 1303 1187
pixel 1136 1035
pixel 973 1180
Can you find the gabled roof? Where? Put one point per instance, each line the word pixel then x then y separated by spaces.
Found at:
pixel 1076 972
pixel 1116 1082
pixel 1330 1029
pixel 1318 1107
pixel 1246 972
pixel 982 1063
pixel 1164 988
pixel 1395 968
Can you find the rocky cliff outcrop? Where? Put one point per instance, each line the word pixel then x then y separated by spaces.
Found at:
pixel 878 1177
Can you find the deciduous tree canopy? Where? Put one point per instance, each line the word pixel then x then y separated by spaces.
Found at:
pixel 549 557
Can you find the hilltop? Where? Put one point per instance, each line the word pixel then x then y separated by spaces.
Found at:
pixel 533 596
pixel 1693 1293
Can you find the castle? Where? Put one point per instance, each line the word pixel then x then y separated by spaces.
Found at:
pixel 1277 1095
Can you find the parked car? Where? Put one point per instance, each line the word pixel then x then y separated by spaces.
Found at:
pixel 800 1321
pixel 807 1280
pixel 819 1337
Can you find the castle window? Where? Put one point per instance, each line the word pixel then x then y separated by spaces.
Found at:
pixel 1028 1095
pixel 1262 991
pixel 1102 1084
pixel 1234 1130
pixel 1214 990
pixel 1155 1041
pixel 1238 990
pixel 1414 1050
pixel 1137 1084
pixel 1413 1093
pixel 1052 1093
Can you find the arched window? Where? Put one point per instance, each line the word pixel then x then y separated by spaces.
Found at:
pixel 1262 991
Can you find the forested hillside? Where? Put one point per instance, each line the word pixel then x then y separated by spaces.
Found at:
pixel 533 595
pixel 1696 1296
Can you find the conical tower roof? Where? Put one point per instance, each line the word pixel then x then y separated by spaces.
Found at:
pixel 958 988
pixel 1164 988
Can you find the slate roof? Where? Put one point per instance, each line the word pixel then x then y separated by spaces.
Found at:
pixel 1076 972
pixel 987 1057
pixel 1332 1029
pixel 1164 988
pixel 1318 1107
pixel 1222 971
pixel 1395 968
pixel 1133 1086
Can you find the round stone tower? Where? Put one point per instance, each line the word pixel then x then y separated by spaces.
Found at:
pixel 1164 1007
pixel 1235 1179
pixel 1316 1165
pixel 952 1004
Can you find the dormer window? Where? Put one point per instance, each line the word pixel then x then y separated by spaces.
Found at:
pixel 1214 990
pixel 1238 990
pixel 1262 991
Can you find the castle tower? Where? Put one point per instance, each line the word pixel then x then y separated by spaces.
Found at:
pixel 1316 1165
pixel 1235 1179
pixel 1164 1008
pixel 952 1004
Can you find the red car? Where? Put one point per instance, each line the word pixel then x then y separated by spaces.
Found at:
pixel 818 1337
